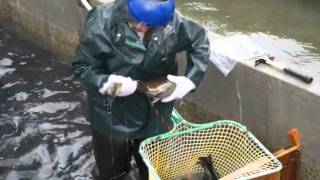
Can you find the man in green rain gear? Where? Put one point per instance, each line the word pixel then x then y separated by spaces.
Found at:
pixel 124 42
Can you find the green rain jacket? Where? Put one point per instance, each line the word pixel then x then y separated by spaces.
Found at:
pixel 110 46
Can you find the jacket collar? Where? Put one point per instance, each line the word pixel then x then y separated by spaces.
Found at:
pixel 120 12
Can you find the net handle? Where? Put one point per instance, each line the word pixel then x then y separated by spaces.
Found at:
pixel 176 117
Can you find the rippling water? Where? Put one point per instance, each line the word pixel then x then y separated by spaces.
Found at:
pixel 43 134
pixel 288 28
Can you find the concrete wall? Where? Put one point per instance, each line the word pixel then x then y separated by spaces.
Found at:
pixel 53 25
pixel 269 103
pixel 265 100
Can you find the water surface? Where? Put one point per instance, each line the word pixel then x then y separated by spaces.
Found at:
pixel 43 133
pixel 288 28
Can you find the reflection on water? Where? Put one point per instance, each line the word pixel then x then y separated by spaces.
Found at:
pixel 288 28
pixel 43 134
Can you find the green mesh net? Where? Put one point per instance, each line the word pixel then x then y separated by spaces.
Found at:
pixel 235 152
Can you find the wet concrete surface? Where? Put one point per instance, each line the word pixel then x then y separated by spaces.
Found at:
pixel 43 133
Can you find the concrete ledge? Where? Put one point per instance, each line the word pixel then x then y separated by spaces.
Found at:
pixel 269 103
pixel 40 23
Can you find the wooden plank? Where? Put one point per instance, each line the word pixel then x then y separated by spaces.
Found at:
pixel 274 176
pixel 290 165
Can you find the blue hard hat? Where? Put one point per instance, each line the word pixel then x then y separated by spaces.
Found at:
pixel 152 13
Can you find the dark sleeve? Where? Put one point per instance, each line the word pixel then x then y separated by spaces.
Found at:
pixel 193 38
pixel 93 51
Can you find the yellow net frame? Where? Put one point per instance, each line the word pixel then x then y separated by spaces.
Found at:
pixel 236 153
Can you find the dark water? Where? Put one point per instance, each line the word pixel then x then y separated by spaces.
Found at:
pixel 288 28
pixel 43 134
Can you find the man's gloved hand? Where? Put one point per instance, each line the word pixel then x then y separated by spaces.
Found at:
pixel 183 87
pixel 119 86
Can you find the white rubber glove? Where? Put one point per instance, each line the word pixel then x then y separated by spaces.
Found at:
pixel 119 86
pixel 183 87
